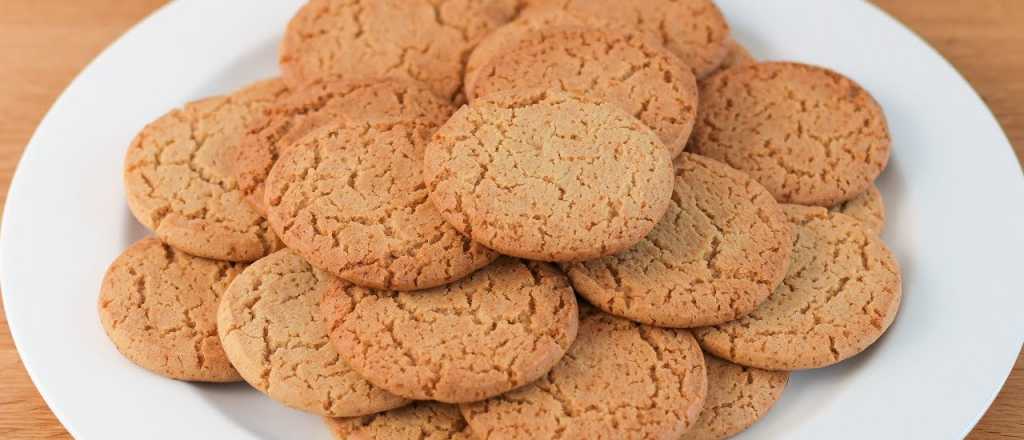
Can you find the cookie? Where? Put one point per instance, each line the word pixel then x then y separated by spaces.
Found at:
pixel 178 179
pixel 693 30
pixel 499 329
pixel 808 134
pixel 737 397
pixel 377 101
pixel 548 175
pixel 422 40
pixel 841 293
pixel 720 250
pixel 159 306
pixel 350 199
pixel 736 56
pixel 624 68
pixel 620 380
pixel 420 420
pixel 269 321
pixel 868 207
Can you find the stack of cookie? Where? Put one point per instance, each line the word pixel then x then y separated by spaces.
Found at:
pixel 510 219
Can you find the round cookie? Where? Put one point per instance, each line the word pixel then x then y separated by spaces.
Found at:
pixel 720 250
pixel 619 380
pixel 350 199
pixel 737 397
pixel 178 179
pixel 868 207
pixel 548 175
pixel 499 329
pixel 420 420
pixel 377 101
pixel 626 69
pixel 270 324
pixel 841 293
pixel 159 306
pixel 808 134
pixel 693 30
pixel 422 40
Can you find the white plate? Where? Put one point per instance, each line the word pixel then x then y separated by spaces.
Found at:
pixel 953 188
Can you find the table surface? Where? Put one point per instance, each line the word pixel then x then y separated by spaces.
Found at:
pixel 45 43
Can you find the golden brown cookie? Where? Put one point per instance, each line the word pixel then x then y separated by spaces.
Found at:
pixel 808 134
pixel 693 30
pixel 422 40
pixel 269 321
pixel 548 175
pixel 868 207
pixel 841 293
pixel 738 396
pixel 350 198
pixel 420 420
pixel 499 329
pixel 159 307
pixel 719 252
pixel 624 68
pixel 620 380
pixel 376 101
pixel 178 178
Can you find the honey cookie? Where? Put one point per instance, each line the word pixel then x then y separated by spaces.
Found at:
pixel 737 397
pixel 720 250
pixel 693 30
pixel 178 178
pixel 808 134
pixel 841 293
pixel 620 380
pixel 377 101
pixel 868 207
pixel 548 175
pixel 420 420
pixel 626 69
pixel 159 307
pixel 350 199
pixel 499 329
pixel 269 321
pixel 422 40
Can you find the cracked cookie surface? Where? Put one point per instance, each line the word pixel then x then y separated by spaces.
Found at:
pixel 178 178
pixel 841 293
pixel 285 122
pixel 496 330
pixel 625 68
pixel 869 208
pixel 350 198
pixel 548 175
pixel 719 252
pixel 422 40
pixel 808 134
pixel 270 324
pixel 737 397
pixel 620 380
pixel 159 308
pixel 420 420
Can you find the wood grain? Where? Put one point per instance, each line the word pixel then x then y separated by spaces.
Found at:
pixel 45 43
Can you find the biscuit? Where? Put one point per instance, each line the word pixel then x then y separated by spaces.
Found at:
pixel 808 134
pixel 626 69
pixel 693 30
pixel 737 397
pixel 548 175
pixel 422 40
pixel 420 420
pixel 499 329
pixel 720 250
pixel 350 199
pixel 270 324
pixel 841 293
pixel 159 306
pixel 377 101
pixel 868 207
pixel 620 380
pixel 179 183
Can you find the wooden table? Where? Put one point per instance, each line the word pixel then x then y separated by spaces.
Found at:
pixel 44 44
